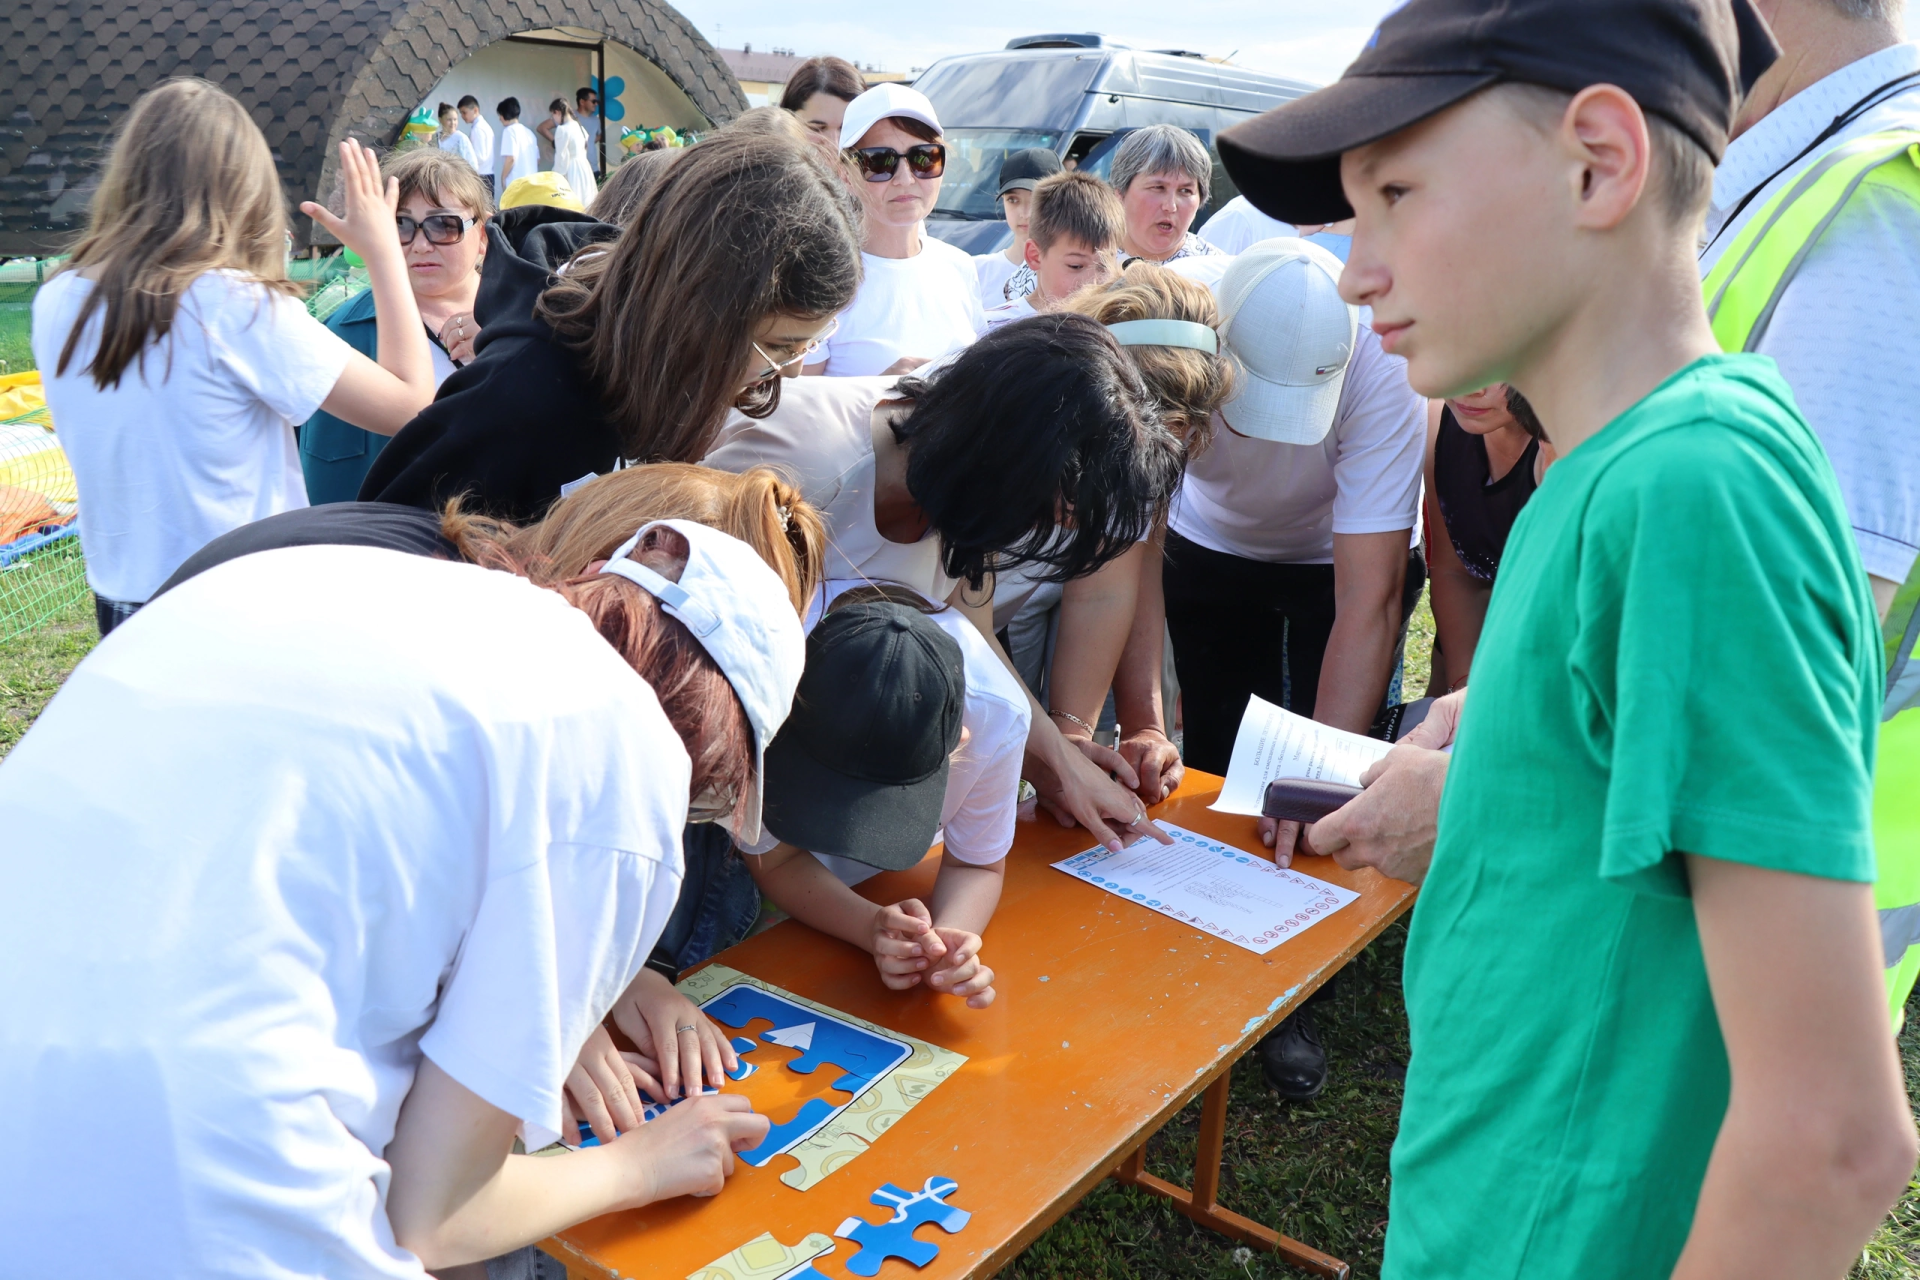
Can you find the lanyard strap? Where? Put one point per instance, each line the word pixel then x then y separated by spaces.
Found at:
pixel 1873 98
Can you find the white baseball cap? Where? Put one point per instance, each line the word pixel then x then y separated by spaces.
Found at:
pixel 880 102
pixel 740 612
pixel 1286 326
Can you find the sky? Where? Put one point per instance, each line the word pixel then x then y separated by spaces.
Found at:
pixel 1308 39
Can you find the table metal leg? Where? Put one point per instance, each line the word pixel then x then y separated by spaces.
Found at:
pixel 1202 1203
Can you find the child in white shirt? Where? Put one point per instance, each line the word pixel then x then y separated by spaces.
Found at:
pixel 1072 244
pixel 176 356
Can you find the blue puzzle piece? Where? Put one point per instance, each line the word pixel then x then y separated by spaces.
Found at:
pixel 743 1048
pixel 894 1237
pixel 813 1112
pixel 586 1135
pixel 861 1055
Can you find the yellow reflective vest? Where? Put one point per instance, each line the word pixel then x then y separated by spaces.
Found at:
pixel 1742 291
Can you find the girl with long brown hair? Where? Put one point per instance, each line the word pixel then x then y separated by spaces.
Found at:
pixel 601 347
pixel 176 356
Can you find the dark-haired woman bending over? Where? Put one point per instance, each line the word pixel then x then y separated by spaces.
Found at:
pixel 636 350
pixel 932 483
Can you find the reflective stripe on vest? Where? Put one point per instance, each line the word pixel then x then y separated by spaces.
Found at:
pixel 1746 284
pixel 1742 291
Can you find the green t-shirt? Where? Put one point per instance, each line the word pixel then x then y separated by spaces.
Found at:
pixel 1679 656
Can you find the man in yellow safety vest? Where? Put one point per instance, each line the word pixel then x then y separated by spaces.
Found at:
pixel 1813 257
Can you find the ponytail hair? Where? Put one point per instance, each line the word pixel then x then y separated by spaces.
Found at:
pixel 757 506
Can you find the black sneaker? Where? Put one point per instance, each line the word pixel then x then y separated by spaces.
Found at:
pixel 1294 1060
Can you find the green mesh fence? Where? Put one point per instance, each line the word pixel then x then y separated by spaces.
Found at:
pixel 41 573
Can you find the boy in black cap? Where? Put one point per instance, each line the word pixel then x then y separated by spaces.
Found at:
pixel 1643 979
pixel 1020 173
pixel 864 773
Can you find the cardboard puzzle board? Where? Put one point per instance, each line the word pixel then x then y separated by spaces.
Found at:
pixel 886 1073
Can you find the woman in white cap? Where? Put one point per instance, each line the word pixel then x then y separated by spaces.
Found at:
pixel 359 847
pixel 919 297
pixel 1287 561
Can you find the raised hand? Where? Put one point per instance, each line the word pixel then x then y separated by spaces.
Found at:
pixel 367 227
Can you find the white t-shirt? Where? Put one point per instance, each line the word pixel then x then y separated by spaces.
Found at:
pixel 479 136
pixel 305 818
pixel 1239 224
pixel 1846 326
pixel 1008 312
pixel 1282 503
pixel 821 440
pixel 926 305
pixel 518 143
pixel 982 801
pixel 457 143
pixel 202 441
pixel 993 271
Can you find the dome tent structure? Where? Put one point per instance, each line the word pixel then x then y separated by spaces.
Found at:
pixel 312 72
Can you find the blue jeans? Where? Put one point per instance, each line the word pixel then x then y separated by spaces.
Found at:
pixel 718 900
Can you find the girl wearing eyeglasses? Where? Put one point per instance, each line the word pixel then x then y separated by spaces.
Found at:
pixel 919 297
pixel 605 346
pixel 442 225
pixel 175 351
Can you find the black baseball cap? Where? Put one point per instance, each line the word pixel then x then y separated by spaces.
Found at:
pixel 859 769
pixel 1689 61
pixel 1022 170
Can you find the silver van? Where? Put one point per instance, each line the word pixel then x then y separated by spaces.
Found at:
pixel 1077 95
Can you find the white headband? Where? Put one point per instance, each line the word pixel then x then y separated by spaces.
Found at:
pixel 1166 333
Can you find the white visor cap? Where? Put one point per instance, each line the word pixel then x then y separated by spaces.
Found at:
pixel 740 612
pixel 1292 336
pixel 881 102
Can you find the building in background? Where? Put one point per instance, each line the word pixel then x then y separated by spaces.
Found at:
pixel 763 73
pixel 314 72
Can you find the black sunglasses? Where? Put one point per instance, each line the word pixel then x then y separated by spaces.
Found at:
pixel 877 164
pixel 441 228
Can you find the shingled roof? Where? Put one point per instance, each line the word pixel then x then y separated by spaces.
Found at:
pixel 311 71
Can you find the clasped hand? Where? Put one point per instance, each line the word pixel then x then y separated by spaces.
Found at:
pixel 908 946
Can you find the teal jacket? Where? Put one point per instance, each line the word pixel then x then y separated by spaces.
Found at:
pixel 335 455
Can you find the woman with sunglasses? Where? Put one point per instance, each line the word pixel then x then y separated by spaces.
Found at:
pixel 919 297
pixel 442 221
pixel 605 346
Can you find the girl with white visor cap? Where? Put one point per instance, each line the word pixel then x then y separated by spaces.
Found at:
pixel 357 848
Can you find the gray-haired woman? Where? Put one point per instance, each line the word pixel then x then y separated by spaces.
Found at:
pixel 1163 174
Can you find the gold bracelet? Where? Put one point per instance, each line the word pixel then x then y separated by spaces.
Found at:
pixel 1076 719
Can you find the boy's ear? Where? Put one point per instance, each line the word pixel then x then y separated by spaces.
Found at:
pixel 1033 255
pixel 1606 132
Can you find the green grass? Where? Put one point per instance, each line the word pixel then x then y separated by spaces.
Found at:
pixel 33 665
pixel 16 356
pixel 1316 1171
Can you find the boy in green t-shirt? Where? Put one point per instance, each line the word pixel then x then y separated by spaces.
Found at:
pixel 1643 978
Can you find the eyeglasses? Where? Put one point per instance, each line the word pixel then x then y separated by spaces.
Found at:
pixel 441 228
pixel 774 367
pixel 878 164
pixel 712 805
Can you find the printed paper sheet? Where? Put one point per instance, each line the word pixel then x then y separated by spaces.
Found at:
pixel 1275 743
pixel 1227 892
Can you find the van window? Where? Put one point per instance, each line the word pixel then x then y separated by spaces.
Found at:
pixel 1039 90
pixel 971 187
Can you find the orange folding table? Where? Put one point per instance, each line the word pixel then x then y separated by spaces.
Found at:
pixel 1110 1018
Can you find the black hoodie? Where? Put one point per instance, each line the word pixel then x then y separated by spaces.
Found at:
pixel 510 428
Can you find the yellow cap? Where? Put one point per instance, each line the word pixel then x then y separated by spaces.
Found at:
pixel 541 188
